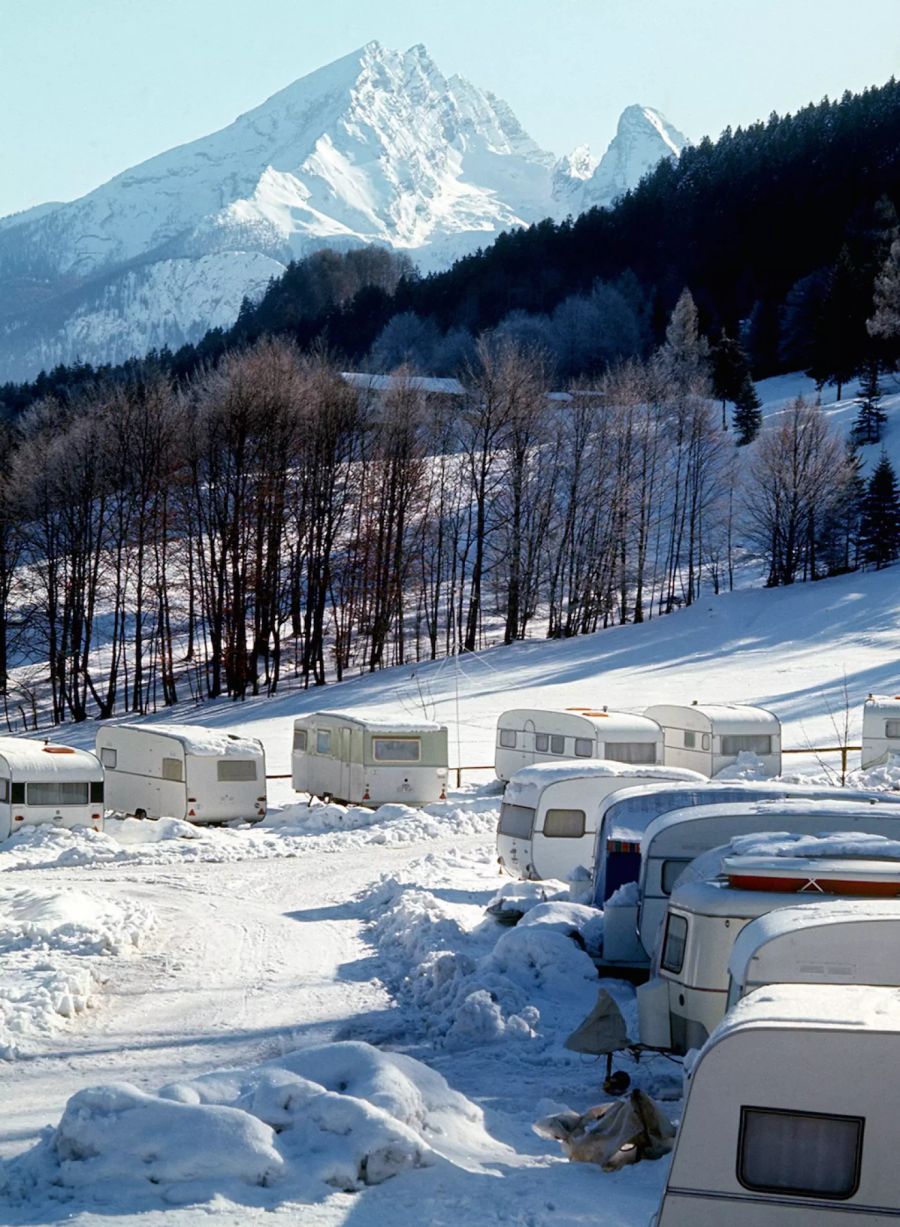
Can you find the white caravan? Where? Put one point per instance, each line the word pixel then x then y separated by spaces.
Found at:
pixel 42 783
pixel 790 1117
pixel 881 729
pixel 673 840
pixel 182 771
pixel 679 1006
pixel 369 762
pixel 528 735
pixel 708 737
pixel 625 816
pixel 846 941
pixel 549 813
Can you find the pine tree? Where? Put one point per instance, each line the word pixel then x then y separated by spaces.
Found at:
pixel 870 417
pixel 884 323
pixel 880 528
pixel 729 370
pixel 747 416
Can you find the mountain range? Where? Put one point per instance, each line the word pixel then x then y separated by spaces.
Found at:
pixel 377 147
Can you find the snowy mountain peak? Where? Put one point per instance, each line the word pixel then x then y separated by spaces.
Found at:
pixel 376 147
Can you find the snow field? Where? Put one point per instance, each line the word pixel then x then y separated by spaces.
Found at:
pixel 55 948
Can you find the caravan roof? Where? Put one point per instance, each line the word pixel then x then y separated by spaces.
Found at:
pixel 727 717
pixel 374 725
pixel 45 761
pixel 814 1007
pixel 787 921
pixel 196 739
pixel 779 810
pixel 527 784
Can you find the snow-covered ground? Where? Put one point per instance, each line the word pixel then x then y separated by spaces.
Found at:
pixel 315 1020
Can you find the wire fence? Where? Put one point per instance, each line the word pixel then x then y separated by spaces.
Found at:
pixel 807 751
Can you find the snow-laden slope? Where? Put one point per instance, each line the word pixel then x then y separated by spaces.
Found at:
pixel 324 925
pixel 378 147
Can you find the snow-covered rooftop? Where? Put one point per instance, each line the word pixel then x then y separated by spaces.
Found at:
pixel 430 384
pixel 195 739
pixel 36 759
pixel 814 1007
pixel 373 724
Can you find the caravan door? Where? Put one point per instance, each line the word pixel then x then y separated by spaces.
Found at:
pixel 345 753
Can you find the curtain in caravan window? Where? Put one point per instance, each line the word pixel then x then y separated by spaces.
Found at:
pixel 508 739
pixel 564 823
pixel 58 792
pixel 300 739
pixel 542 743
pixel 234 770
pixel 584 747
pixel 892 729
pixel 631 751
pixel 108 757
pixel 751 743
pixel 806 1154
pixel 171 769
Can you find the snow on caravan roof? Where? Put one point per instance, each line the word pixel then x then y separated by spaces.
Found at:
pixel 618 722
pixel 725 715
pixel 374 725
pixel 788 920
pixel 45 760
pixel 813 1007
pixel 530 781
pixel 388 383
pixel 200 741
pixel 779 811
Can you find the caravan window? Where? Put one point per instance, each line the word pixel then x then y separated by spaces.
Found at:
pixel 671 872
pixel 557 744
pixel 323 741
pixel 4 791
pixel 584 747
pixel 751 743
pixel 631 751
pixel 516 820
pixel 96 792
pixel 807 1154
pixel 542 742
pixel 234 770
pixel 301 737
pixel 58 792
pixel 564 823
pixel 690 739
pixel 892 728
pixel 508 739
pixel 108 757
pixel 171 769
pixel 396 749
pixel 17 794
pixel 675 942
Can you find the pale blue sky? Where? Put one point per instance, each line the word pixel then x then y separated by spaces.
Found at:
pixel 90 87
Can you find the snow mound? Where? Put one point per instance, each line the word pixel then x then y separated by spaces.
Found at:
pixel 342 1115
pixel 464 988
pixel 53 947
pixel 883 776
pixel 294 830
pixel 747 766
